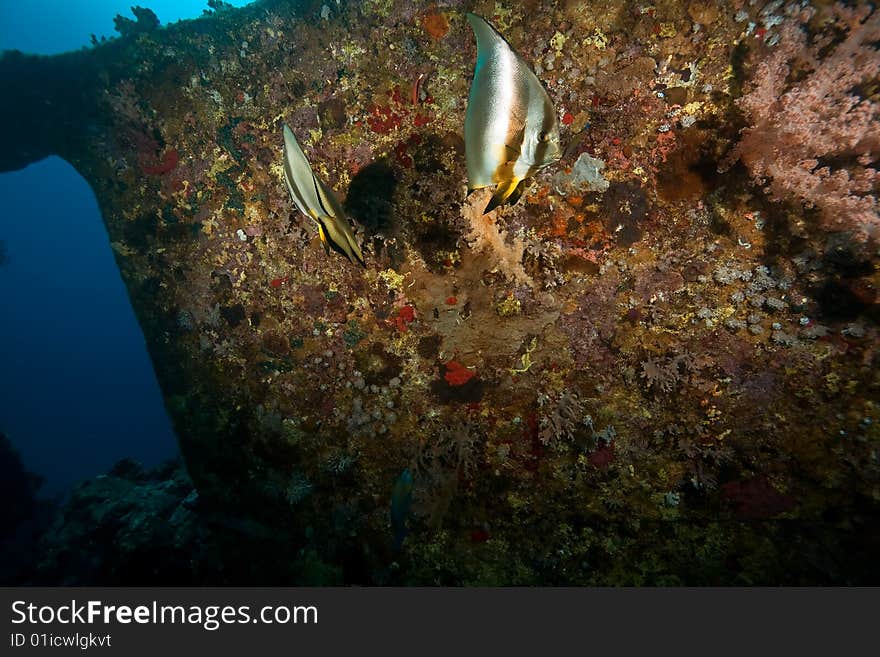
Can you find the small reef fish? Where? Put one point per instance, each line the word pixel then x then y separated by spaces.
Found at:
pixel 401 500
pixel 510 128
pixel 314 199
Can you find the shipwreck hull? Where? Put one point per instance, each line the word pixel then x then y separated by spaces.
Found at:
pixel 619 382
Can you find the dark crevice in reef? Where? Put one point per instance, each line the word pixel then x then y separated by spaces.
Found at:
pixel 371 198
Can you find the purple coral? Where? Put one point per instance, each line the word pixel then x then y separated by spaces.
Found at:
pixel 817 140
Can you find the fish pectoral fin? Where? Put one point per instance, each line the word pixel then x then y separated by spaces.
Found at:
pixel 514 146
pixel 503 193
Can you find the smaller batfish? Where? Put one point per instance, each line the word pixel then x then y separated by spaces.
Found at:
pixel 314 199
pixel 510 129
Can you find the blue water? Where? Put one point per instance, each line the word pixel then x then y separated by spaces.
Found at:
pixel 77 389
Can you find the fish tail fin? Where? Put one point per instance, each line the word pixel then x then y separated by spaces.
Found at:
pixel 504 191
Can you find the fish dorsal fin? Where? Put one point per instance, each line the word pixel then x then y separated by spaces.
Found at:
pixel 487 36
pixel 299 176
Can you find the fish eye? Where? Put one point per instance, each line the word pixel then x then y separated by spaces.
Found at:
pixel 543 136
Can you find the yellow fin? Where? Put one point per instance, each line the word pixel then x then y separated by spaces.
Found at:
pixel 516 193
pixel 504 191
pixel 323 237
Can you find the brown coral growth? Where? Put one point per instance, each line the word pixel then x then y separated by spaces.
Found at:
pixel 435 24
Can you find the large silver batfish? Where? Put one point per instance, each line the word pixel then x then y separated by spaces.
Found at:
pixel 510 129
pixel 314 199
